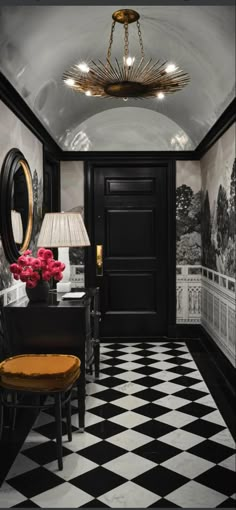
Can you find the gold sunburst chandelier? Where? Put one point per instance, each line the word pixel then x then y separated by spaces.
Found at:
pixel 129 79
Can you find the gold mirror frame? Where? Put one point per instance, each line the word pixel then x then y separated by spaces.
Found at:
pixel 28 178
pixel 11 164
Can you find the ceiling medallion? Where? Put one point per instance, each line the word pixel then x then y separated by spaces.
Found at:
pixel 144 79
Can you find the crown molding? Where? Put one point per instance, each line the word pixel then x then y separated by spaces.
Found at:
pixel 19 107
pixel 224 122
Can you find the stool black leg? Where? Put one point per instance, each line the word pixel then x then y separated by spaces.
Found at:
pixel 68 419
pixel 59 429
pixel 1 413
pixel 81 401
pixel 96 358
pixel 14 401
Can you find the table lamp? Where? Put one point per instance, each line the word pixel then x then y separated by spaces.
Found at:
pixel 63 230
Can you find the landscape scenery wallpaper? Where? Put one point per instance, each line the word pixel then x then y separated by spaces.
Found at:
pixel 219 206
pixel 188 213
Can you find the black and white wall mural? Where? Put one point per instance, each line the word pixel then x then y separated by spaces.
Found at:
pixel 188 241
pixel 72 199
pixel 13 133
pixel 219 242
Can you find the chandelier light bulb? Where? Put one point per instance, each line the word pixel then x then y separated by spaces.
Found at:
pixel 88 93
pixel 83 67
pixel 129 61
pixel 160 95
pixel 70 82
pixel 171 68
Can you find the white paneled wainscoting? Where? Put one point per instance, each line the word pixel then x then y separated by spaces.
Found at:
pixel 188 294
pixel 218 310
pixel 12 293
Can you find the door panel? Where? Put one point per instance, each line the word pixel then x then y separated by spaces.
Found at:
pixel 130 221
pixel 120 223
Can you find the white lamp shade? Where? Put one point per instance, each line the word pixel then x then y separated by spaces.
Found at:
pixel 17 227
pixel 63 230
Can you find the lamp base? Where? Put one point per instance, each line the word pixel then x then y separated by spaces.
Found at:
pixel 63 286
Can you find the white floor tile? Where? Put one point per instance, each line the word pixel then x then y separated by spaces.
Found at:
pixel 201 386
pixel 129 376
pixel 22 464
pixel 172 402
pixel 195 495
pixel 33 439
pixel 129 439
pixel 80 441
pixel 229 463
pixel 130 387
pixel 215 417
pixel 159 348
pixel 129 356
pixel 91 402
pixel 73 465
pixel 129 365
pixel 181 439
pixel 129 402
pixel 188 465
pixel 168 387
pixel 207 400
pixel 129 495
pixel 162 365
pixel 9 496
pixel 90 419
pixel 43 419
pixel 129 465
pixel 62 496
pixel 176 419
pixel 129 419
pixel 194 375
pixel 161 356
pixel 164 375
pixel 93 387
pixel 224 437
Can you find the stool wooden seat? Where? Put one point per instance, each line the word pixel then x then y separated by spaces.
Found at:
pixel 44 374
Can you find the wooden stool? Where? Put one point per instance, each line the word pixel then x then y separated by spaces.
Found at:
pixel 43 374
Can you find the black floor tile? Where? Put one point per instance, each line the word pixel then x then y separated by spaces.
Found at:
pixel 151 410
pixel 156 451
pixel 34 482
pixel 98 481
pixel 102 452
pixel 160 480
pixel 196 409
pixel 107 410
pixel 220 479
pixel 203 428
pixel 214 452
pixel 105 429
pixel 154 428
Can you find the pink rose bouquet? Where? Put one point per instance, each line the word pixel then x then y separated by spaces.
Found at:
pixel 31 270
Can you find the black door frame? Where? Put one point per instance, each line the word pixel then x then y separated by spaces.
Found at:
pixel 89 192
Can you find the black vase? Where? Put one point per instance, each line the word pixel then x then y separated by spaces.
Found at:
pixel 38 293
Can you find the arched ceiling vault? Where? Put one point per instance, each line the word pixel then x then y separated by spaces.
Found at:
pixel 37 43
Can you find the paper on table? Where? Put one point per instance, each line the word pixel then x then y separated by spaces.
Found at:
pixel 73 295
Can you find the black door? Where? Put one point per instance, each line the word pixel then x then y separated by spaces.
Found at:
pixel 131 226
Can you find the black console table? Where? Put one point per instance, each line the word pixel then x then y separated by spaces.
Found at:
pixel 57 326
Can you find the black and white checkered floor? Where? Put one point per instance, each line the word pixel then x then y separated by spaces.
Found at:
pixel 154 438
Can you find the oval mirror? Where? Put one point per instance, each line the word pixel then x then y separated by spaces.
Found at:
pixel 16 204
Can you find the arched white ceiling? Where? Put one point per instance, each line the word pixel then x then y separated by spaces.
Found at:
pixel 37 43
pixel 141 130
